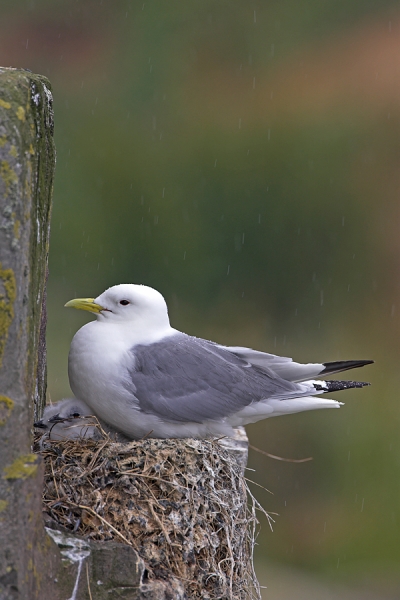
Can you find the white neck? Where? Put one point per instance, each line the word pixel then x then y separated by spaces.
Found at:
pixel 138 332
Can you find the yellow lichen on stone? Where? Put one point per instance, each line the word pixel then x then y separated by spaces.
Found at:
pixel 13 151
pixel 8 175
pixel 7 299
pixel 23 467
pixel 20 112
pixel 17 225
pixel 4 104
pixel 6 406
pixel 31 150
pixel 3 505
pixel 3 140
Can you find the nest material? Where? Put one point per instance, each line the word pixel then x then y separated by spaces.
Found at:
pixel 182 505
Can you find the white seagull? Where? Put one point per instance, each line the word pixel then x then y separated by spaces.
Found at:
pixel 145 378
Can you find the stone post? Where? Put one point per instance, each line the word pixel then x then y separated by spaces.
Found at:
pixel 27 159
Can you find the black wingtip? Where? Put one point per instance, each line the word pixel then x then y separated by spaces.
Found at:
pixel 337 386
pixel 344 365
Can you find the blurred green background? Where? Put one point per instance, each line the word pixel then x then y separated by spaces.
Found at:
pixel 243 158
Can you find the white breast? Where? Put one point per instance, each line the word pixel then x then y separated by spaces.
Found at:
pixel 99 366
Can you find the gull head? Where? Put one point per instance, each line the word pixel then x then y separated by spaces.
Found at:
pixel 127 303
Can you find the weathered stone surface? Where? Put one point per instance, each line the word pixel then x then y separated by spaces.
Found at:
pixel 97 570
pixel 106 570
pixel 27 159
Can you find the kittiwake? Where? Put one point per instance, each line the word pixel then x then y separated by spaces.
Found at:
pixel 145 378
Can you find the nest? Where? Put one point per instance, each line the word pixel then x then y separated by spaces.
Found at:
pixel 181 504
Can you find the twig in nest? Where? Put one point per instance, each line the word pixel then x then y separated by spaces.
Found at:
pixel 259 485
pixel 152 477
pixel 96 454
pixel 94 513
pixel 54 479
pixel 293 460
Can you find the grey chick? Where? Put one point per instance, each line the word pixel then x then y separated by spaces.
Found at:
pixel 72 419
pixel 69 419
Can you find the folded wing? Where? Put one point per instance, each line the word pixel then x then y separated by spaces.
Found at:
pixel 187 379
pixel 292 371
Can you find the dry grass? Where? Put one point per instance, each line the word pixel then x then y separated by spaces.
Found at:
pixel 182 504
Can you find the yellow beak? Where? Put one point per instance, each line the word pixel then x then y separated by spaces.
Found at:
pixel 85 304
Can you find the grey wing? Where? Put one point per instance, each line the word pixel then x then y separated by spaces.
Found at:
pixel 183 378
pixel 281 365
pixel 292 371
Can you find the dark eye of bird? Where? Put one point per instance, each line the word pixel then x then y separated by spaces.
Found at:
pixel 75 415
pixel 124 302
